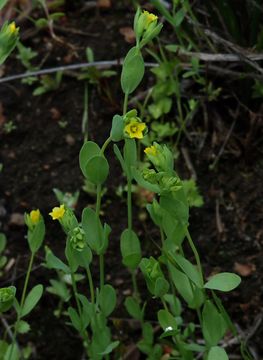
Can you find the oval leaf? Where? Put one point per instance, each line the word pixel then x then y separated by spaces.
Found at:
pixel 217 353
pixel 107 299
pixel 132 71
pixel 224 282
pixel 88 150
pixel 32 299
pixel 97 169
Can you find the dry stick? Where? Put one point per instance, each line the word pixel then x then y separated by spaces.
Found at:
pixel 107 63
pixel 188 162
pixel 208 57
pixel 223 145
pixel 97 64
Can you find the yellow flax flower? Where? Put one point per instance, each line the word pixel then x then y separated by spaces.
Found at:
pixel 134 129
pixel 34 216
pixel 151 150
pixel 149 18
pixel 57 212
pixel 12 27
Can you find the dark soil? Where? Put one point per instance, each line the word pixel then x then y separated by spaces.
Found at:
pixel 39 155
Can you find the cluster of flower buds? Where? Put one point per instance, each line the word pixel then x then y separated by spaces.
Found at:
pixel 7 297
pixel 146 27
pixel 154 277
pixel 77 238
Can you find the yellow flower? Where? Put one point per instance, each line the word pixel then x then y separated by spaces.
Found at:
pixel 151 150
pixel 34 216
pixel 149 18
pixel 12 27
pixel 135 129
pixel 57 212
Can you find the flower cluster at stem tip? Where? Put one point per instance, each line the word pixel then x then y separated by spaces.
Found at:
pixel 57 212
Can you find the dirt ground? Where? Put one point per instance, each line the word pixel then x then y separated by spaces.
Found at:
pixel 40 154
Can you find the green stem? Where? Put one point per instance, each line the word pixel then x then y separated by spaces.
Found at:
pixel 75 291
pixel 85 116
pixel 98 201
pixel 125 103
pixel 101 257
pixel 83 333
pixel 101 271
pixel 135 285
pixel 129 202
pixel 104 146
pixel 91 286
pixel 27 279
pixel 22 302
pixel 197 258
pixel 164 304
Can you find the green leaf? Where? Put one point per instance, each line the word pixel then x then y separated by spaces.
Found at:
pixel 133 308
pixel 130 249
pixel 36 236
pixel 107 299
pixel 41 23
pixel 97 169
pixel 147 333
pixel 119 156
pixel 132 71
pixel 191 294
pixel 161 287
pixel 137 175
pixel 2 242
pixel 2 3
pixel 167 320
pixel 23 327
pixel 110 348
pixel 88 150
pixel 176 208
pixel 217 353
pixel 130 152
pixel 32 299
pixel 190 270
pixel 117 128
pixel 60 289
pixel 12 349
pixel 179 17
pixel 213 325
pixel 53 262
pixel 97 236
pixel 75 319
pixel 224 282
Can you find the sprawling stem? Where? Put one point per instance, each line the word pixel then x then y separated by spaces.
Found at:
pixel 91 286
pixel 125 103
pixel 22 302
pixel 197 258
pixel 98 206
pixel 129 202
